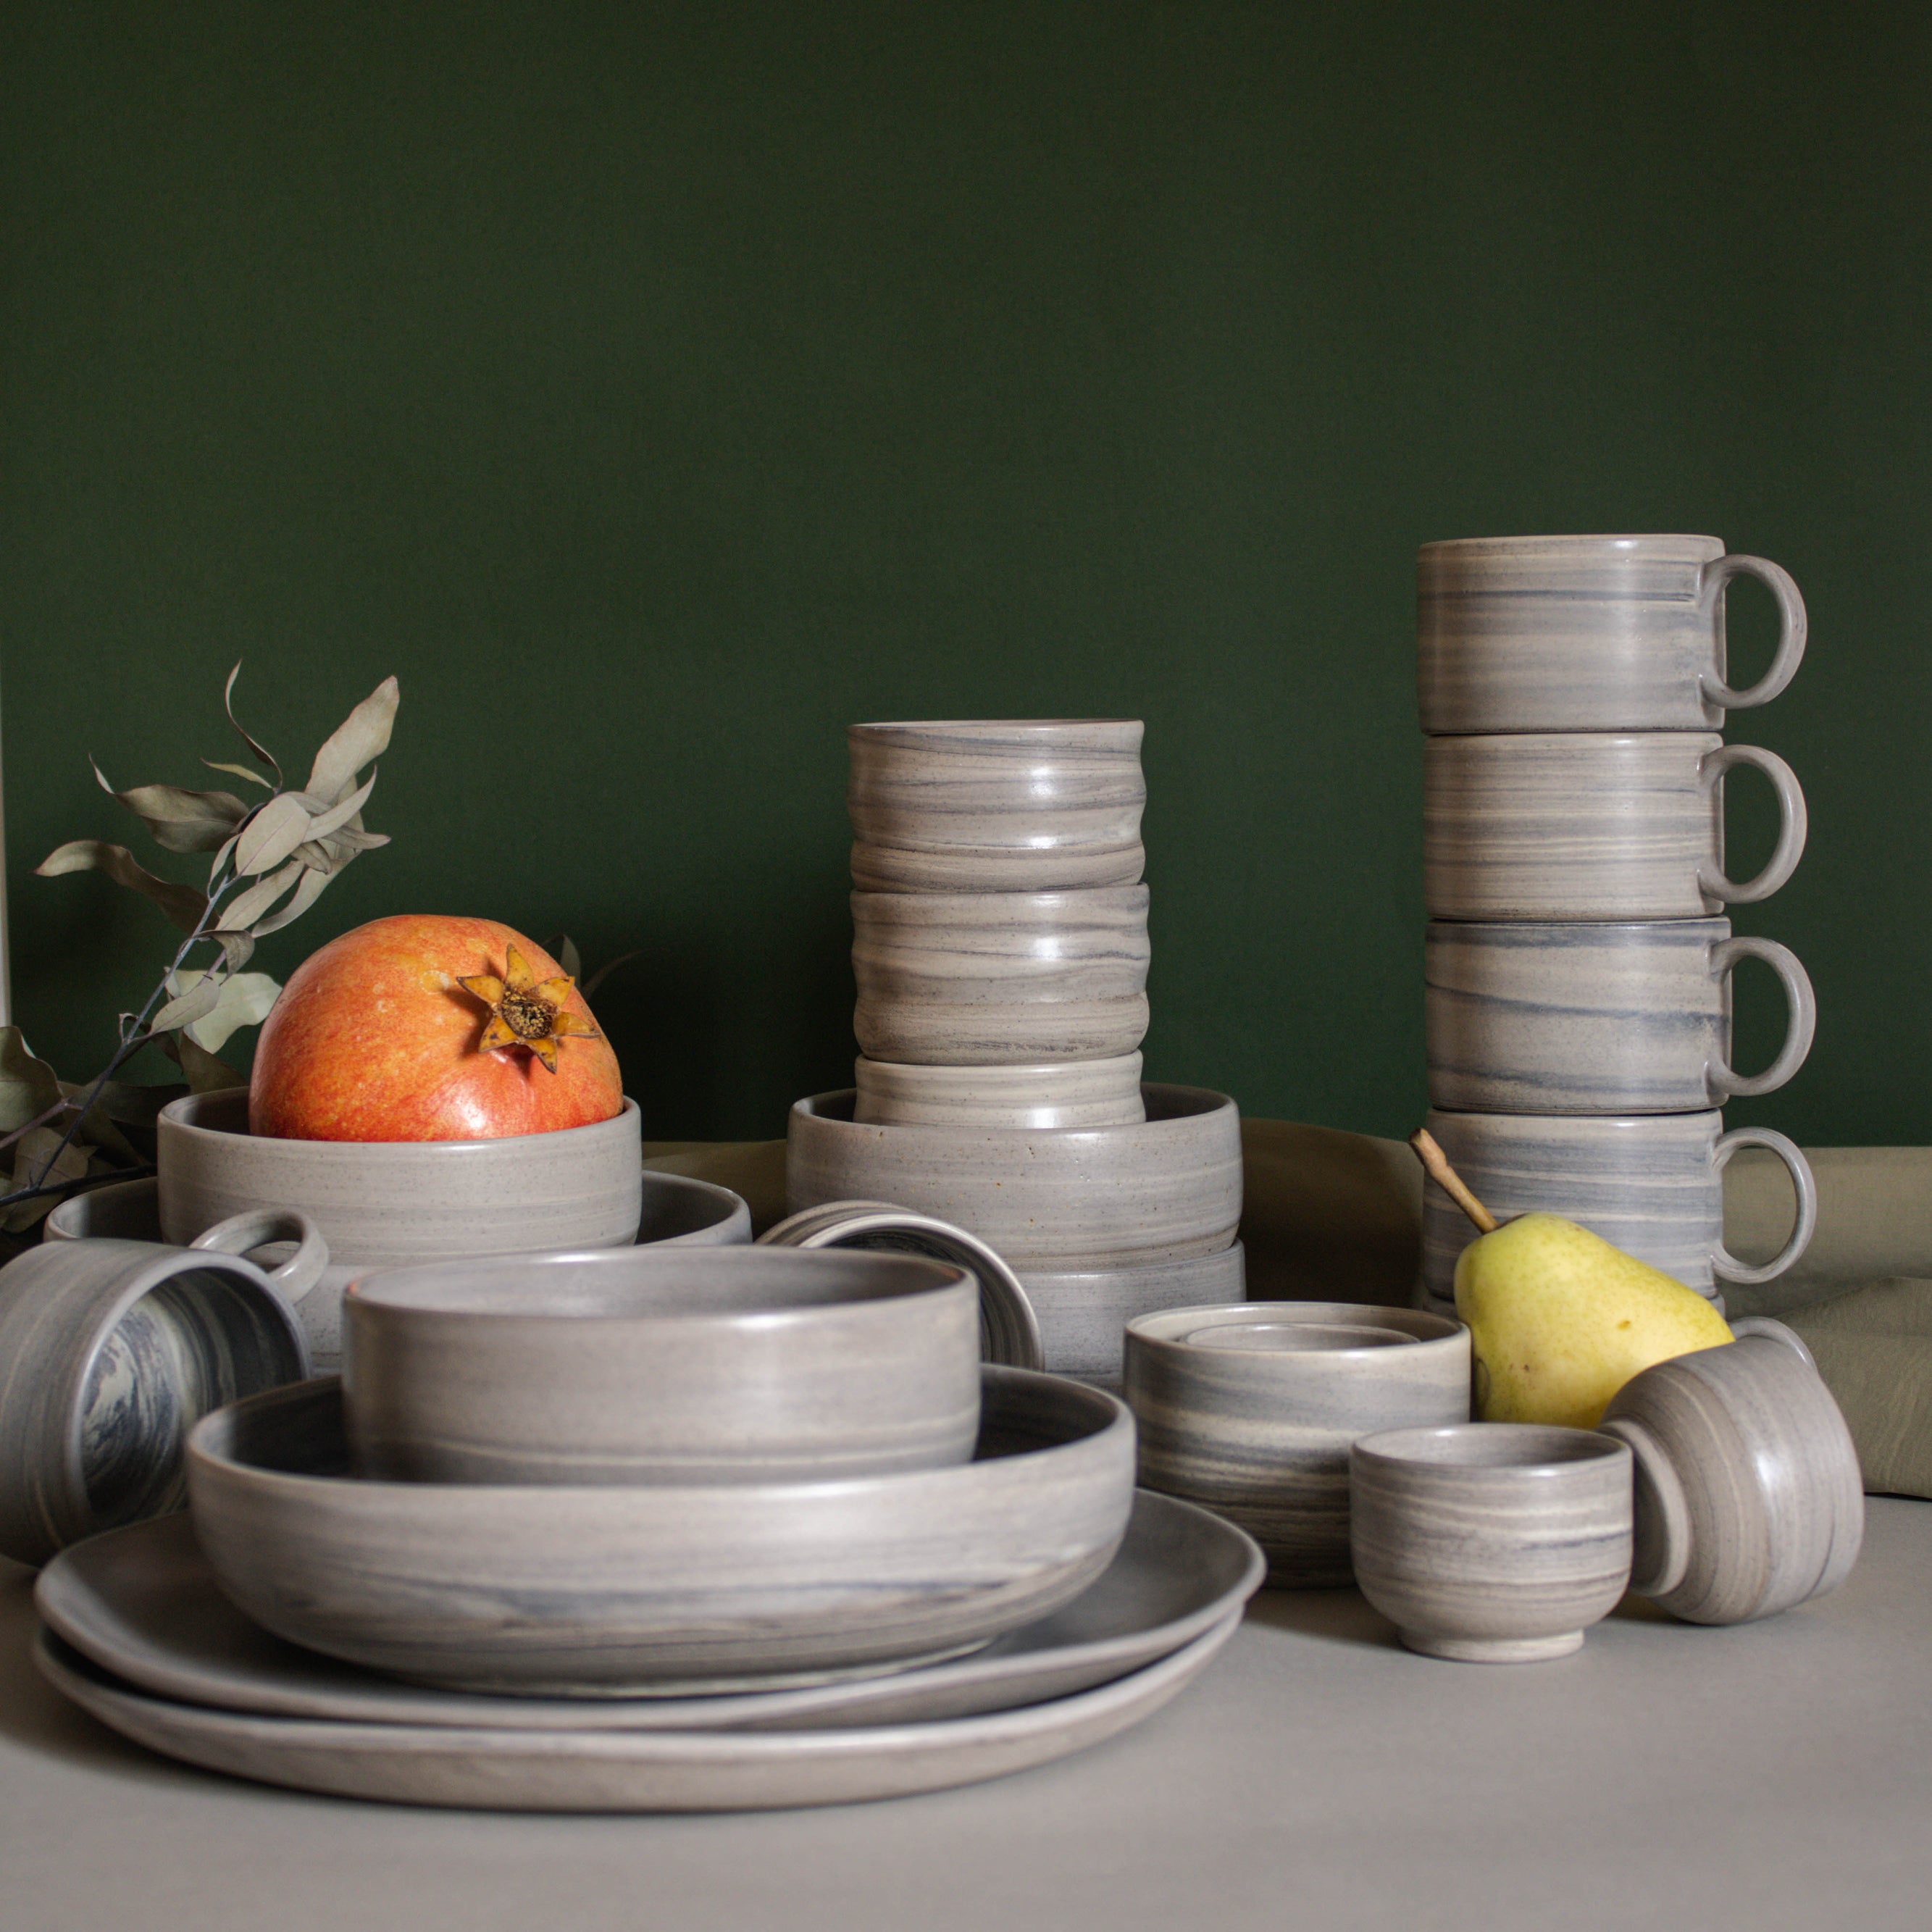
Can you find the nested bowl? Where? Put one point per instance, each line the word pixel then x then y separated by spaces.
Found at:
pixel 599 1591
pixel 662 1365
pixel 1053 1093
pixel 1250 1409
pixel 1061 1198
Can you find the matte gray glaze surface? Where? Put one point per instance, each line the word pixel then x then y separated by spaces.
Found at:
pixel 1084 1315
pixel 1749 1499
pixel 1060 1093
pixel 1574 1017
pixel 142 1603
pixel 661 1365
pixel 1587 633
pixel 627 1771
pixel 994 805
pixel 1591 825
pixel 1063 1199
pixel 602 1591
pixel 1649 1184
pixel 1008 1332
pixel 1261 1435
pixel 109 1352
pixel 1491 1542
pixel 1000 979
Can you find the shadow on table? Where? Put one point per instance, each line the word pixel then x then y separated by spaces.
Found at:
pixel 1333 1615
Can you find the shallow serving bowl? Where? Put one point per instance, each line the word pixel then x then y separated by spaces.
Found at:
pixel 1062 1199
pixel 604 1591
pixel 662 1365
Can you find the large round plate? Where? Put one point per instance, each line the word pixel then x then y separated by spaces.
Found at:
pixel 142 1603
pixel 624 1770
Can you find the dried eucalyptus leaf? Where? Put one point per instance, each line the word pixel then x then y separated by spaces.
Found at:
pixel 562 948
pixel 239 771
pixel 130 1104
pixel 342 814
pixel 347 841
pixel 28 1086
pixel 242 999
pixel 182 820
pixel 241 912
pixel 267 757
pixel 221 858
pixel 188 1006
pixel 306 894
pixel 276 829
pixel 182 904
pixel 238 948
pixel 360 738
pixel 604 972
pixel 205 1073
pixel 97 1127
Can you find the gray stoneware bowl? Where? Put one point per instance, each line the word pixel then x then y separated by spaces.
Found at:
pixel 1000 979
pixel 1749 1497
pixel 1250 1409
pixel 996 805
pixel 601 1592
pixel 1055 1093
pixel 1083 1313
pixel 1061 1199
pixel 661 1365
pixel 109 1351
pixel 1008 1332
pixel 1491 1542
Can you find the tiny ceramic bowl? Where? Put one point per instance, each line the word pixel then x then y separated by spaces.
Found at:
pixel 1056 1093
pixel 996 805
pixel 661 1365
pixel 604 1591
pixel 1000 979
pixel 1749 1497
pixel 1083 1313
pixel 1063 1199
pixel 1491 1542
pixel 110 1351
pixel 1008 1332
pixel 1250 1409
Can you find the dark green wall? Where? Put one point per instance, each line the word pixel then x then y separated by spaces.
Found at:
pixel 656 388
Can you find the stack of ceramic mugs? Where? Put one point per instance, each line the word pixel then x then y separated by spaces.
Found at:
pixel 1578 961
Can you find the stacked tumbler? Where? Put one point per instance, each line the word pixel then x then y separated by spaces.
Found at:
pixel 1577 965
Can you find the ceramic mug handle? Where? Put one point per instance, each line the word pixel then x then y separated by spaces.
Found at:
pixel 1725 1264
pixel 1775 1331
pixel 1791 828
pixel 1661 1557
pixel 1722 1080
pixel 1791 628
pixel 256 1228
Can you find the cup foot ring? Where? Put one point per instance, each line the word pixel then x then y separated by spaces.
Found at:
pixel 1493 1650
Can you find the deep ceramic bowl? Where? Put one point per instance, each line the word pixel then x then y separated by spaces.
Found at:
pixel 109 1351
pixel 1055 1093
pixel 1062 1199
pixel 610 1591
pixel 1083 1313
pixel 661 1365
pixel 1250 1408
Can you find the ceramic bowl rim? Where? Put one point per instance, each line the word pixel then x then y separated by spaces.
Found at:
pixel 1199 1105
pixel 987 728
pixel 1580 1449
pixel 1442 1336
pixel 174 1116
pixel 1507 546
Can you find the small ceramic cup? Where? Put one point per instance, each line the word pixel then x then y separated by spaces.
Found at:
pixel 110 1352
pixel 1587 633
pixel 662 1365
pixel 996 805
pixel 1591 825
pixel 1057 1093
pixel 1250 1409
pixel 1570 1016
pixel 1652 1184
pixel 1748 1495
pixel 1491 1542
pixel 1000 979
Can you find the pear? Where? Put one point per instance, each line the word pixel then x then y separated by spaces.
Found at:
pixel 1558 1319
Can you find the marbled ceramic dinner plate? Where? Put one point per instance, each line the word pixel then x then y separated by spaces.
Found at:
pixel 143 1604
pixel 625 1770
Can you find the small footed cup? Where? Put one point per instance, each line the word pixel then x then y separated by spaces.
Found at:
pixel 1491 1542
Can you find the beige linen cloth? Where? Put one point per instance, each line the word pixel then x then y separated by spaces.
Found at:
pixel 1337 1216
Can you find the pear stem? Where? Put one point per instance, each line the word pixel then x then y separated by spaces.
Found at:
pixel 1435 1165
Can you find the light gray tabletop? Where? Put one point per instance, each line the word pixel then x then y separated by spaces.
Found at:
pixel 1776 1774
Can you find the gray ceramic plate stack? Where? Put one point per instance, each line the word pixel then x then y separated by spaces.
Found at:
pixel 1001 950
pixel 1578 965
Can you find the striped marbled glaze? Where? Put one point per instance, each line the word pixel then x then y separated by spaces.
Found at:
pixel 1652 1184
pixel 1576 1017
pixel 1083 1313
pixel 1000 979
pixel 1491 1542
pixel 1261 1435
pixel 1591 825
pixel 1054 1093
pixel 1586 634
pixel 996 805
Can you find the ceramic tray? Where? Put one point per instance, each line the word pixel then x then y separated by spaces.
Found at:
pixel 143 1604
pixel 624 1770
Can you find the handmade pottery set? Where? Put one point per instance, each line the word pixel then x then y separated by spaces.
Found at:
pixel 1578 1002
pixel 1001 950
